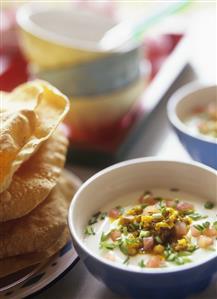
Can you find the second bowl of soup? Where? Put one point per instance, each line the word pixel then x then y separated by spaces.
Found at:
pixel 192 112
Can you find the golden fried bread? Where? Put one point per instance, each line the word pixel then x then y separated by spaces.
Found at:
pixel 16 263
pixel 34 180
pixel 40 228
pixel 28 116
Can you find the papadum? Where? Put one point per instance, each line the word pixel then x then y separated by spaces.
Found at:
pixel 38 108
pixel 39 229
pixel 35 178
pixel 16 263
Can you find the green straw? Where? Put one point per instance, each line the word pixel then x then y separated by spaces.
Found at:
pixel 140 28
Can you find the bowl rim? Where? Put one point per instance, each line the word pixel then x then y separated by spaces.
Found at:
pixel 23 19
pixel 178 97
pixel 123 267
pixel 24 22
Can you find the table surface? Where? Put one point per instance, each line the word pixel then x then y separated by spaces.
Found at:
pixel 157 140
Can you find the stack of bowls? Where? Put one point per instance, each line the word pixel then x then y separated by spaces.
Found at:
pixel 61 46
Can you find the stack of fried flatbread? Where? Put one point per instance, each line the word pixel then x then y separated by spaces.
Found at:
pixel 34 190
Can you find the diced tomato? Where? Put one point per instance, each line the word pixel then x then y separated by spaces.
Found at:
pixel 195 232
pixel 210 232
pixel 148 243
pixel 155 261
pixel 198 109
pixel 147 199
pixel 171 203
pixel 184 206
pixel 115 234
pixel 212 110
pixel 181 229
pixel 204 241
pixel 110 256
pixel 114 213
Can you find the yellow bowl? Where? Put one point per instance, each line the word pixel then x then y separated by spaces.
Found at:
pixel 89 114
pixel 52 37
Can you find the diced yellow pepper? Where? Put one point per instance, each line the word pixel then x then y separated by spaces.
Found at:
pixel 158 249
pixel 182 244
pixel 162 224
pixel 146 218
pixel 135 211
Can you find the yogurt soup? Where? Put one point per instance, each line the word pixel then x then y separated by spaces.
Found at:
pixel 203 120
pixel 157 228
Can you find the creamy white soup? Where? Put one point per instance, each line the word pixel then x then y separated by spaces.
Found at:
pixel 153 229
pixel 203 120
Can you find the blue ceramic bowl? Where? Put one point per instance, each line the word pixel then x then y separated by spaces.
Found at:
pixel 129 176
pixel 200 147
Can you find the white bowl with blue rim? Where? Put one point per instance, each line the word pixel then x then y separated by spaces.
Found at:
pixel 202 148
pixel 124 178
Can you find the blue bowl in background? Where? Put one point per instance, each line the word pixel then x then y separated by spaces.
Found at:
pixel 130 176
pixel 201 148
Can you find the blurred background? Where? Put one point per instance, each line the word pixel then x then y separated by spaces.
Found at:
pixel 114 75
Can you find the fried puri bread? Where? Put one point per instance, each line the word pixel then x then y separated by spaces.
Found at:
pixel 28 116
pixel 16 263
pixel 40 228
pixel 34 180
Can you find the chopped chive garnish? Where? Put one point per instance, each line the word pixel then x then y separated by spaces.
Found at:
pixel 209 205
pixel 131 227
pixel 96 217
pixel 141 264
pixel 125 231
pixel 104 237
pixel 107 245
pixel 172 257
pixel 89 230
pixel 102 216
pixel 192 248
pixel 97 214
pixel 126 261
pixel 123 248
pixel 92 220
pixel 158 239
pixel 201 227
pixel 185 253
pixel 144 234
pixel 186 260
pixel 195 216
pixel 179 261
pixel 215 225
pixel 162 204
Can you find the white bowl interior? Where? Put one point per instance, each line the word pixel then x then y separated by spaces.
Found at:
pixel 135 175
pixel 184 101
pixel 199 97
pixel 69 27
